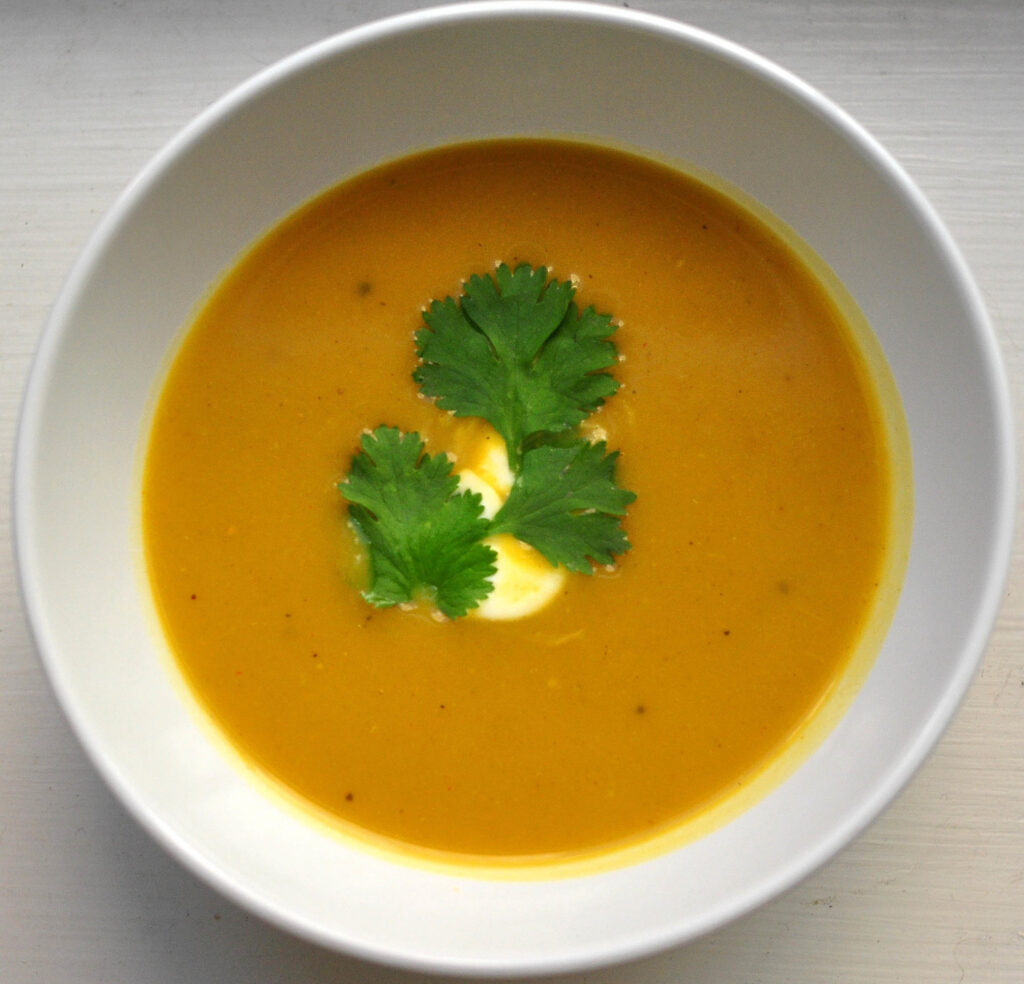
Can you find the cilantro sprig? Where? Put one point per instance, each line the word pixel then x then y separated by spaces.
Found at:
pixel 423 534
pixel 565 503
pixel 516 351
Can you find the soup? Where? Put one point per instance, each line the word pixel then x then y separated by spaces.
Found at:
pixel 749 428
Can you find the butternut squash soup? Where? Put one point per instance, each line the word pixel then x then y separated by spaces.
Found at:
pixel 584 709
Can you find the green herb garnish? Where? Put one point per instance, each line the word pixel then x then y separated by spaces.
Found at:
pixel 515 351
pixel 424 535
pixel 565 503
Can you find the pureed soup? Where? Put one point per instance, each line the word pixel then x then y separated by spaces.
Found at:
pixel 763 540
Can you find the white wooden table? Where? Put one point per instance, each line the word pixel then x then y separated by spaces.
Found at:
pixel 89 90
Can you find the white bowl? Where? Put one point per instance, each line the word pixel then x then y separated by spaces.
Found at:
pixel 371 94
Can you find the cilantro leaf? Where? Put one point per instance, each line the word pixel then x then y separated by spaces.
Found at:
pixel 565 503
pixel 424 536
pixel 517 352
pixel 513 350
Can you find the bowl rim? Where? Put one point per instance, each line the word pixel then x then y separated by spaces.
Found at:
pixel 372 33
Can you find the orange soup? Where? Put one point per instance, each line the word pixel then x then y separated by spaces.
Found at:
pixel 749 428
